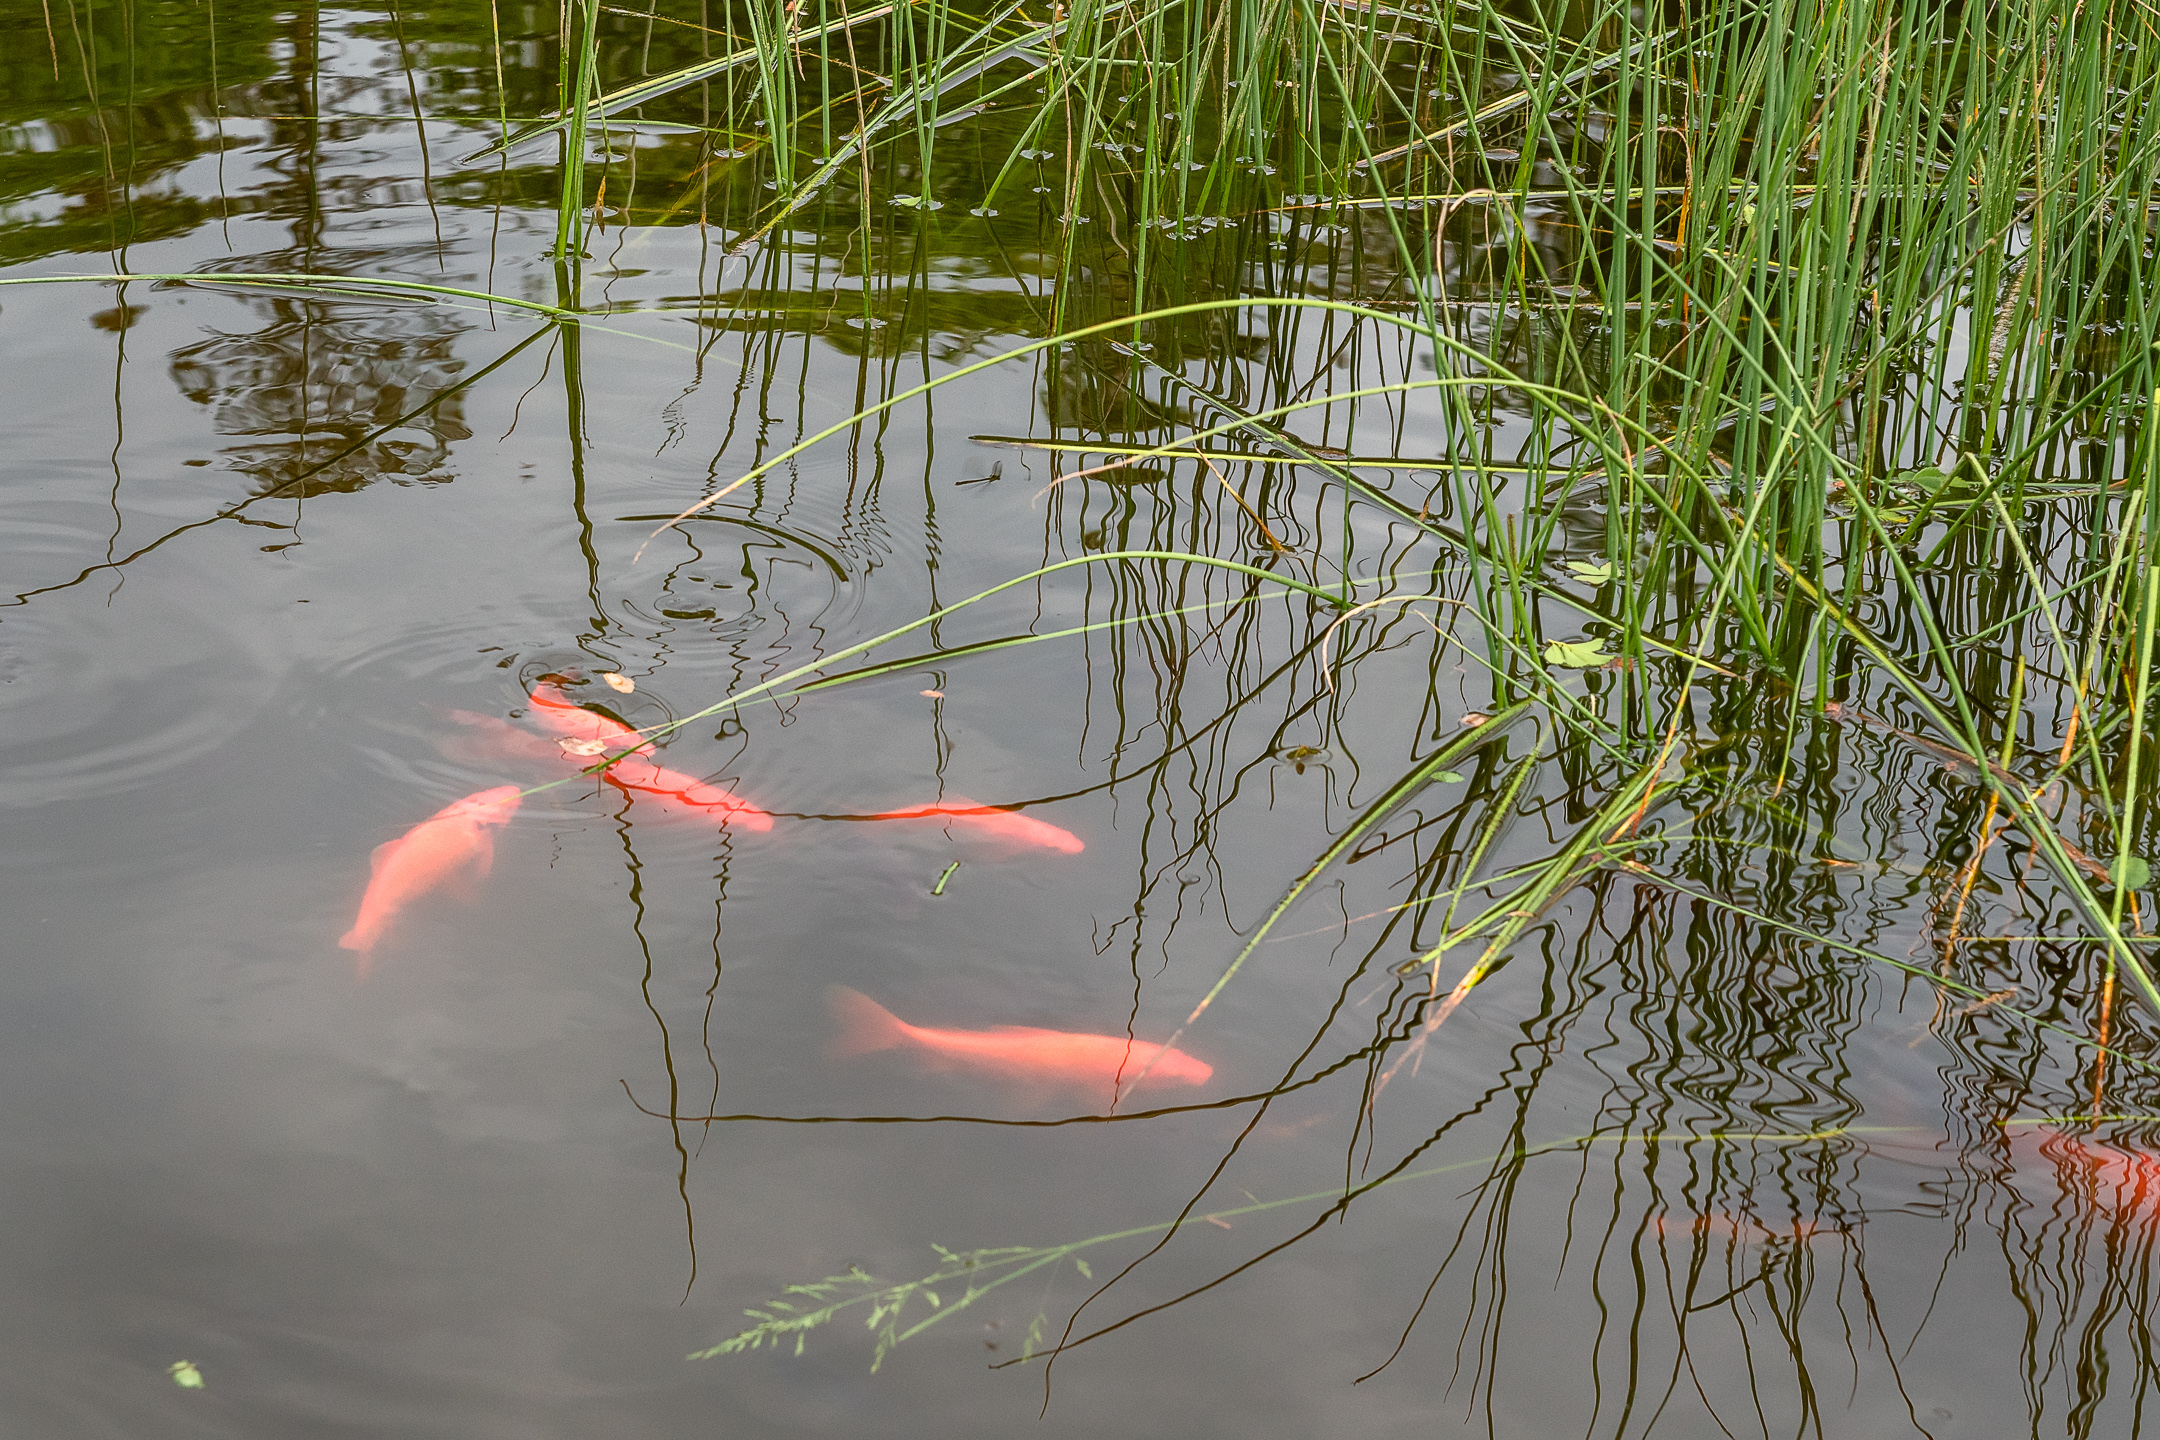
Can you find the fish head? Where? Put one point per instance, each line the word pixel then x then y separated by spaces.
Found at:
pixel 493 806
pixel 1177 1065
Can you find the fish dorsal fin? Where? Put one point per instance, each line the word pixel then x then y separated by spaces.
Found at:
pixel 483 858
pixel 380 856
pixel 464 873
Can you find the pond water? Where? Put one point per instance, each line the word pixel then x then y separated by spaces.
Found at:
pixel 283 568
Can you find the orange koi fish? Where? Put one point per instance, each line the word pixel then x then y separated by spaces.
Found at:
pixel 455 844
pixel 1000 824
pixel 1016 1052
pixel 635 773
pixel 677 791
pixel 587 727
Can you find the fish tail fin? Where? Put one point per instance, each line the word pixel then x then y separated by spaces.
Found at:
pixel 863 1024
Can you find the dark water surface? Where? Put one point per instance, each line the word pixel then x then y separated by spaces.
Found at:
pixel 258 546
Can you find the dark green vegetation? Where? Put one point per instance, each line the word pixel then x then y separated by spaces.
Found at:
pixel 1731 419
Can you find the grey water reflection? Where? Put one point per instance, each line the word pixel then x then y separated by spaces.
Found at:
pixel 1717 1148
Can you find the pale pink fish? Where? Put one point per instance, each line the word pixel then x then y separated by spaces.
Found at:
pixel 1012 1052
pixel 454 845
pixel 489 741
pixel 1007 825
pixel 671 789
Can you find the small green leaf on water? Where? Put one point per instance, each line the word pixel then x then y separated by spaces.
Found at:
pixel 1082 1266
pixel 1589 573
pixel 1930 478
pixel 1449 777
pixel 185 1375
pixel 2136 874
pixel 1580 655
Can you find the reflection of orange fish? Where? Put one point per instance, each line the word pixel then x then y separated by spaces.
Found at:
pixel 454 844
pixel 1003 824
pixel 597 735
pixel 1016 1052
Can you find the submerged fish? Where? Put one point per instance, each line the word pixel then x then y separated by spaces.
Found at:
pixel 1017 1052
pixel 1000 824
pixel 679 792
pixel 456 844
pixel 489 741
pixel 594 735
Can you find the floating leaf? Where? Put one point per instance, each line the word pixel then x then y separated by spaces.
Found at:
pixel 1930 478
pixel 584 747
pixel 1591 574
pixel 933 694
pixel 2136 874
pixel 620 684
pixel 1966 475
pixel 1474 719
pixel 1578 655
pixel 185 1375
pixel 1449 777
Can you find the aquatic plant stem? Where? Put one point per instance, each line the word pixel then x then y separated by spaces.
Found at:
pixel 970 1267
pixel 1263 302
pixel 932 618
pixel 1420 776
pixel 570 204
